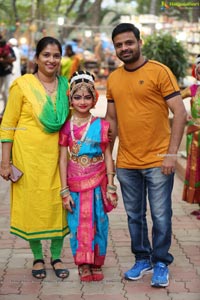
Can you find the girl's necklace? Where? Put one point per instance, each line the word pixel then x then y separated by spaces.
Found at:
pixel 76 146
pixel 80 121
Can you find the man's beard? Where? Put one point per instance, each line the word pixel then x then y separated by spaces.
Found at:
pixel 134 57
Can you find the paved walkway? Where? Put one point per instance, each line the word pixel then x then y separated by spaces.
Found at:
pixel 17 283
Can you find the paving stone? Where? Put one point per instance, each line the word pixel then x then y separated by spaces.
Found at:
pixel 154 296
pixel 30 287
pixel 177 287
pixel 9 287
pixel 105 297
pixel 61 288
pixel 54 297
pixel 138 296
pixel 103 288
pixel 19 297
pixel 143 288
pixel 193 285
pixel 184 296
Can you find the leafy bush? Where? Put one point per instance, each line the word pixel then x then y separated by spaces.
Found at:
pixel 167 50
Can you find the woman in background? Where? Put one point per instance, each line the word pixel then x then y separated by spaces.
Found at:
pixel 191 192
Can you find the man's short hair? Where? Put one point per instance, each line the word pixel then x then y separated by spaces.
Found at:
pixel 125 27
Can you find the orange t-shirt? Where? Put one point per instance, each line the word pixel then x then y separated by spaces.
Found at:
pixel 140 98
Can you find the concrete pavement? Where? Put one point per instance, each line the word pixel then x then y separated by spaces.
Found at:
pixel 17 283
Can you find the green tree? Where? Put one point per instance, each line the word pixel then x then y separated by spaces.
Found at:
pixel 78 14
pixel 167 50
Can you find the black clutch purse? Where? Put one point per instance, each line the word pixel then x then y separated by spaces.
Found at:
pixel 16 174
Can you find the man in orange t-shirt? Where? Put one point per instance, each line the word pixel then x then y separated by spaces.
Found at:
pixel 140 94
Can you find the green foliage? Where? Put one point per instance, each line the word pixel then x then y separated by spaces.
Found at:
pixel 143 6
pixel 167 50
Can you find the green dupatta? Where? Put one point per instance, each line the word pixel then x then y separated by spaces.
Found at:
pixel 49 118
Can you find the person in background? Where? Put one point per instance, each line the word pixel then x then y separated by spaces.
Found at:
pixel 87 178
pixel 140 93
pixel 16 70
pixel 36 110
pixel 70 62
pixel 7 57
pixel 191 190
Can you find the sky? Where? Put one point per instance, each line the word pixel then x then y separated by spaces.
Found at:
pixel 107 3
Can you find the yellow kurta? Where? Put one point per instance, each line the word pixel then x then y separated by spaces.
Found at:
pixel 36 205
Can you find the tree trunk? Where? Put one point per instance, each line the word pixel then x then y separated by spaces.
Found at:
pixel 95 13
pixel 153 7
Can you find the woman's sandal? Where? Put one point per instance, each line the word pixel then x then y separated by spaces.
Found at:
pixel 60 273
pixel 41 273
pixel 97 274
pixel 85 272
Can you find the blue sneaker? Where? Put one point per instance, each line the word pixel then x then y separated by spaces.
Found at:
pixel 160 276
pixel 140 268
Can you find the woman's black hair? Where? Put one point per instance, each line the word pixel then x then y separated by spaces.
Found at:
pixel 43 43
pixel 126 27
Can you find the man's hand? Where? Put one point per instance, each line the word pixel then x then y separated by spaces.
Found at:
pixel 169 164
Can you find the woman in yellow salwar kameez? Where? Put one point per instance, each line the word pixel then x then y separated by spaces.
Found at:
pixel 37 108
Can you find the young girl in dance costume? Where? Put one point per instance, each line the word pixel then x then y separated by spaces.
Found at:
pixel 87 177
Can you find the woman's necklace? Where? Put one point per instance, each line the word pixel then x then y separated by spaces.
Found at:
pixel 48 90
pixel 76 146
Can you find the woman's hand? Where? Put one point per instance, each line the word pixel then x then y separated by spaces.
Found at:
pixel 68 203
pixel 5 170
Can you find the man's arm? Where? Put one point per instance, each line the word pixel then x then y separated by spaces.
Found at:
pixel 177 107
pixel 111 117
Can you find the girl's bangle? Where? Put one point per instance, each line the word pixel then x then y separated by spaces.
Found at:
pixel 111 173
pixel 66 187
pixel 111 192
pixel 65 195
pixel 64 192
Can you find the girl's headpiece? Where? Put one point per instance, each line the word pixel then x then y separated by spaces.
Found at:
pixel 82 79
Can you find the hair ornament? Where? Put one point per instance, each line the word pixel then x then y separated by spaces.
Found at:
pixel 83 80
pixel 82 77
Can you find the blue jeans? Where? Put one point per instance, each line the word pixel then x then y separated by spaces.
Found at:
pixel 136 184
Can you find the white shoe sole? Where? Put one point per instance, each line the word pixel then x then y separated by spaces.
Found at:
pixel 145 271
pixel 160 284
